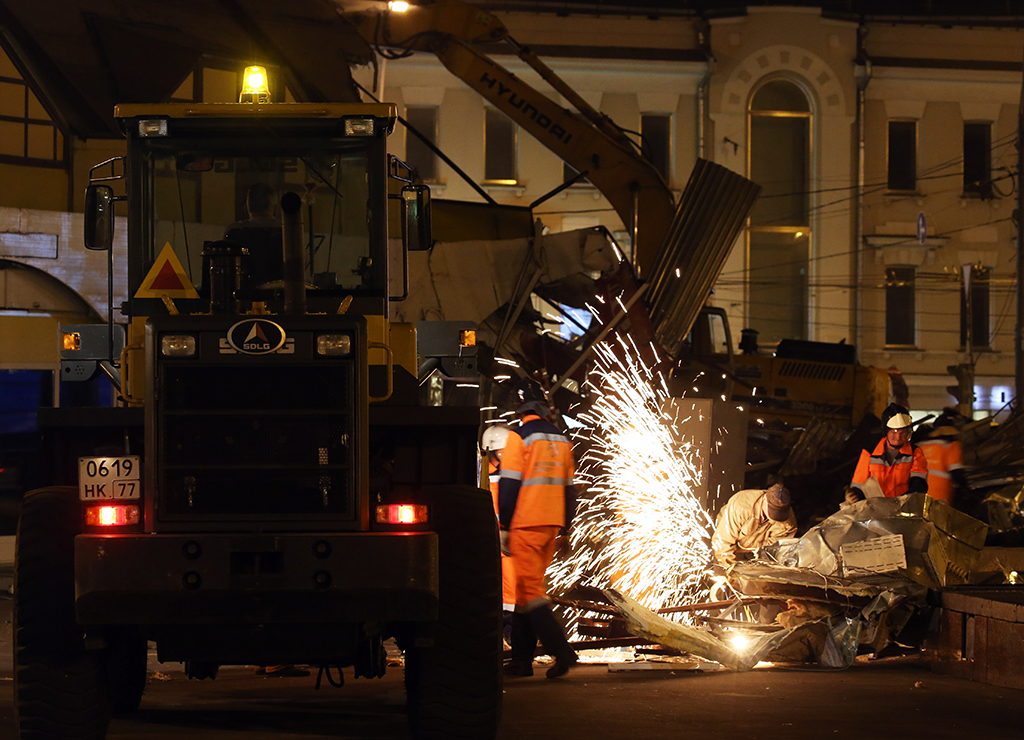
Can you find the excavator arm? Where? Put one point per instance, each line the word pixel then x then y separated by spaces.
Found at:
pixel 584 138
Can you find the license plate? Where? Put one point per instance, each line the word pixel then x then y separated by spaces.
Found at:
pixel 108 478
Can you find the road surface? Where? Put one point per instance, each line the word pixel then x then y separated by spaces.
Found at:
pixel 894 698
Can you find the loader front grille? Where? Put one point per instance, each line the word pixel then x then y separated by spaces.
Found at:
pixel 266 440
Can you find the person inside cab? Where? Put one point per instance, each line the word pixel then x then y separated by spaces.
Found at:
pixel 260 234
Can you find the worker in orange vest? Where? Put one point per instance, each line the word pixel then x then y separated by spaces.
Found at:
pixel 493 442
pixel 945 459
pixel 898 466
pixel 536 500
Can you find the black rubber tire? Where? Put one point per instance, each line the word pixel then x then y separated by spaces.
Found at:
pixel 60 691
pixel 454 685
pixel 124 666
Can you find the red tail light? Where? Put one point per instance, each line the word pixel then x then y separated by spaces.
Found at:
pixel 111 516
pixel 402 514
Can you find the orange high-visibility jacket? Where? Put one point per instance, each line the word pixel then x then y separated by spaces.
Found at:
pixel 536 488
pixel 908 471
pixel 944 455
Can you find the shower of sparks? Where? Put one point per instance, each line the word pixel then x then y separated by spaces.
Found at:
pixel 640 528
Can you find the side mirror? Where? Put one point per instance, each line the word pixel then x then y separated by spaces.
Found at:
pixel 416 234
pixel 99 217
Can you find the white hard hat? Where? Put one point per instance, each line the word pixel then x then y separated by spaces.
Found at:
pixel 899 421
pixel 494 437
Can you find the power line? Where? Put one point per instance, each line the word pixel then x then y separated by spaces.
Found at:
pixel 901 242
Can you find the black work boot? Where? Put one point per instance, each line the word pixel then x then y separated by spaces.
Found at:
pixel 552 637
pixel 524 644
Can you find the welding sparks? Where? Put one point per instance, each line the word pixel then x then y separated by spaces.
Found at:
pixel 738 641
pixel 640 528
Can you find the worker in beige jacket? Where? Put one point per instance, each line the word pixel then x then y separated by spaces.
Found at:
pixel 750 520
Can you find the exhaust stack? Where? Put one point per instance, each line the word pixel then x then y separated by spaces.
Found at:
pixel 293 272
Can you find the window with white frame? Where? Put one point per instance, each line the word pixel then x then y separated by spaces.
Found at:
pixel 901 154
pixel 418 155
pixel 569 172
pixel 656 141
pixel 901 306
pixel 976 313
pixel 779 235
pixel 499 148
pixel 978 159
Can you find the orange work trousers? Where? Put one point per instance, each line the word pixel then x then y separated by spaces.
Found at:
pixel 532 549
pixel 508 581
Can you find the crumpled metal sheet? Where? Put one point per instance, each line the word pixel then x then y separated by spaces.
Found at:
pixel 942 544
pixel 884 617
pixel 760 577
pixel 644 623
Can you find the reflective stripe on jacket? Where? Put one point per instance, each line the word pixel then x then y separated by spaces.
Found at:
pixel 536 488
pixel 944 455
pixel 894 479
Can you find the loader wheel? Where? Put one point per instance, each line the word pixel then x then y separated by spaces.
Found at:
pixel 59 687
pixel 124 666
pixel 454 685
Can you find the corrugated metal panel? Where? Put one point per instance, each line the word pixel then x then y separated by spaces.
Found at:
pixel 712 210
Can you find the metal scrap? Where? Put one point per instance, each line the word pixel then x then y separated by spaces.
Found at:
pixel 699 642
pixel 833 610
pixel 942 544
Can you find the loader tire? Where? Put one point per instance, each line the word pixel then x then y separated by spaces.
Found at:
pixel 124 667
pixel 59 686
pixel 454 681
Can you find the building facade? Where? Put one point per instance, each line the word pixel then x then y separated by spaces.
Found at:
pixel 885 148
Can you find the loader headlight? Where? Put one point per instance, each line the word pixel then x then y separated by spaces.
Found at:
pixel 358 127
pixel 153 127
pixel 177 345
pixel 334 345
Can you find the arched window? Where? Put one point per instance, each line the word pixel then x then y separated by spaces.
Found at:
pixel 779 147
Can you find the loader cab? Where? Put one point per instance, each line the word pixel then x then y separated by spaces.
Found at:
pixel 706 365
pixel 187 174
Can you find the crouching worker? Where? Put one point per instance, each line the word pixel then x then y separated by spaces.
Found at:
pixel 750 520
pixel 536 500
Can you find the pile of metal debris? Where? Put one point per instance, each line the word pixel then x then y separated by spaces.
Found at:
pixel 994 456
pixel 856 583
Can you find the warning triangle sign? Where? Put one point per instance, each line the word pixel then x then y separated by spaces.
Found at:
pixel 166 278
